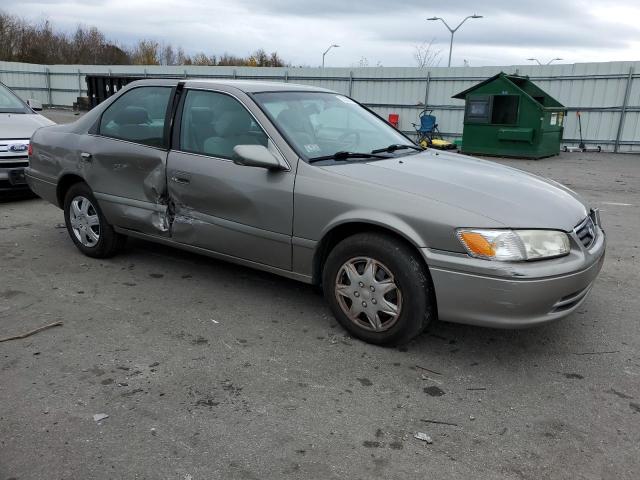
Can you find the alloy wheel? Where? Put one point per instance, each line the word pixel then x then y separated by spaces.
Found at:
pixel 367 293
pixel 85 222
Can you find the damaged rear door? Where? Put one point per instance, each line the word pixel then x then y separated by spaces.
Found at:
pixel 240 211
pixel 124 160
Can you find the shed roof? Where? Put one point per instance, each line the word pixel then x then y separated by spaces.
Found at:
pixel 510 78
pixel 518 82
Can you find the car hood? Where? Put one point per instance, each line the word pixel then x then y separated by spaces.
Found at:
pixel 21 125
pixel 509 196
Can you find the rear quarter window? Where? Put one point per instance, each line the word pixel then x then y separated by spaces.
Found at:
pixel 138 116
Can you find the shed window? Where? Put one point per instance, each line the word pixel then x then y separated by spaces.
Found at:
pixel 505 109
pixel 478 109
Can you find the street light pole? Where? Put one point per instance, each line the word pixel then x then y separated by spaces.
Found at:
pixel 453 30
pixel 548 63
pixel 327 51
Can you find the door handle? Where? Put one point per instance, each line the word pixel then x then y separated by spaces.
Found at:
pixel 86 156
pixel 181 178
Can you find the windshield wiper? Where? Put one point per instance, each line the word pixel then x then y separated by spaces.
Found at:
pixel 342 155
pixel 396 146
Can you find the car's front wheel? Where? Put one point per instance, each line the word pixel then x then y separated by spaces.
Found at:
pixel 378 289
pixel 87 226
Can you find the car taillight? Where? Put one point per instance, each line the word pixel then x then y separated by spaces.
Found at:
pixel 30 149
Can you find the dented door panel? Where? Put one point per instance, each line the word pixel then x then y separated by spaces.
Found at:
pixel 231 209
pixel 130 183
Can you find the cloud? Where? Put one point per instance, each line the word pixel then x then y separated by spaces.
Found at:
pixel 383 31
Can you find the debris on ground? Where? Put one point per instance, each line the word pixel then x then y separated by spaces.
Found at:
pixel 424 437
pixel 32 332
pixel 428 370
pixel 424 376
pixel 597 353
pixel 98 417
pixel 438 422
pixel 434 391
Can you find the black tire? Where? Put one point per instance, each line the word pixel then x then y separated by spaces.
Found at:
pixel 418 306
pixel 109 241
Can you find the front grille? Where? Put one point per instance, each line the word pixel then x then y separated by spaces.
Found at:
pixel 586 232
pixel 13 149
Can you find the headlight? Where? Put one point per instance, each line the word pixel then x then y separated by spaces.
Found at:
pixel 514 245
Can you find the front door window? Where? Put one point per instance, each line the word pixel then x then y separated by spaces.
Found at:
pixel 214 123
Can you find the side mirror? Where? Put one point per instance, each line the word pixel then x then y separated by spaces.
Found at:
pixel 34 104
pixel 256 156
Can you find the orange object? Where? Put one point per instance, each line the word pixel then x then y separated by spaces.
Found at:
pixel 477 244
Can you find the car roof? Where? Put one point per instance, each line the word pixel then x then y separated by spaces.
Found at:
pixel 248 86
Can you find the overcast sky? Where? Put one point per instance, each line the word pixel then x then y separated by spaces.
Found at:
pixel 384 31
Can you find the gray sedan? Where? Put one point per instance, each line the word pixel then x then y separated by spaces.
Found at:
pixel 307 183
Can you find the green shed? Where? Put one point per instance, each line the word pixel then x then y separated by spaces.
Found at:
pixel 509 116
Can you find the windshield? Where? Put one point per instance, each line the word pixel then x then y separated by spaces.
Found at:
pixel 10 103
pixel 319 124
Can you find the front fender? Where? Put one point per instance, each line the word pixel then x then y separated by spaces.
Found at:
pixel 379 219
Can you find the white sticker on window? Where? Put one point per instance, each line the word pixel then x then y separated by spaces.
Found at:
pixel 312 148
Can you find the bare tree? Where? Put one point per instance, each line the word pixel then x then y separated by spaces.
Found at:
pixel 21 41
pixel 146 52
pixel 182 58
pixel 204 59
pixel 114 55
pixel 260 58
pixel 168 56
pixel 425 56
pixel 87 45
pixel 9 32
pixel 275 60
pixel 228 60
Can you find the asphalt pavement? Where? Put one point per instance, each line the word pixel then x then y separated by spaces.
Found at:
pixel 210 370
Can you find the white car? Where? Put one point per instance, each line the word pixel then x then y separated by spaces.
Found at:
pixel 18 121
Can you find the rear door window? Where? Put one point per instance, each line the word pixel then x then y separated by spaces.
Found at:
pixel 138 116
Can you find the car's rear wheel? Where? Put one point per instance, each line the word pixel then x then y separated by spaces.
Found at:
pixel 378 289
pixel 87 226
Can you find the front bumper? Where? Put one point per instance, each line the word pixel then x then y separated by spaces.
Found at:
pixel 12 179
pixel 513 295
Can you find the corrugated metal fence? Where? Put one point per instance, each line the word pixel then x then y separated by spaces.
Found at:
pixel 607 94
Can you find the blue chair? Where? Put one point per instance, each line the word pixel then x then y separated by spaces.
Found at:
pixel 428 133
pixel 427 130
pixel 428 124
